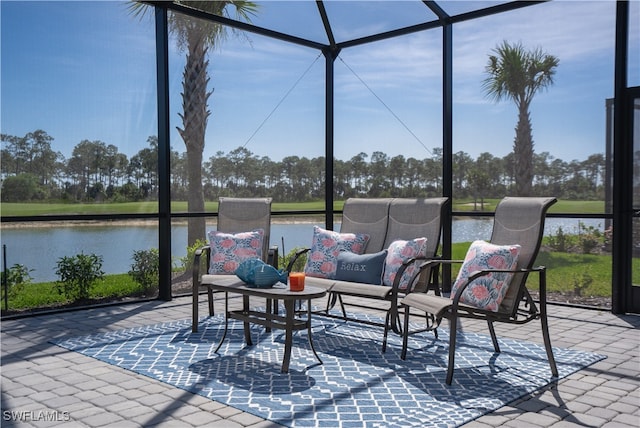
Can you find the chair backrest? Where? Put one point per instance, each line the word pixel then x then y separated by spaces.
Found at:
pixel 245 214
pixel 520 220
pixel 411 218
pixel 362 215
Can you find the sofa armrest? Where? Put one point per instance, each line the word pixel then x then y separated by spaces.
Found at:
pixel 434 264
pixel 295 258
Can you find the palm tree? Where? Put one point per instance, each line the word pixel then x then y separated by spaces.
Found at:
pixel 517 74
pixel 196 37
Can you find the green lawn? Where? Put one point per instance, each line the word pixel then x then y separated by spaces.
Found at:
pixel 562 206
pixel 45 294
pixel 32 209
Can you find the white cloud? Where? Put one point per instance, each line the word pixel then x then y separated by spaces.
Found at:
pixel 572 31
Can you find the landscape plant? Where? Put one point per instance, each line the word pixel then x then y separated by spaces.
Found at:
pixel 581 282
pixel 14 279
pixel 187 261
pixel 560 241
pixel 45 295
pixel 589 238
pixel 145 269
pixel 517 74
pixel 298 266
pixel 78 274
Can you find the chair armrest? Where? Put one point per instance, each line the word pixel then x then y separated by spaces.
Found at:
pixel 197 259
pixel 395 287
pixel 438 261
pixel 272 256
pixel 434 264
pixel 296 256
pixel 433 278
pixel 426 262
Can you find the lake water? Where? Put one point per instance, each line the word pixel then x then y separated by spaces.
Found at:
pixel 40 248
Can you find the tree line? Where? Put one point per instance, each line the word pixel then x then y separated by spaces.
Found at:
pixel 97 172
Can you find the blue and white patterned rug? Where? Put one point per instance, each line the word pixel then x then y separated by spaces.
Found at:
pixel 357 386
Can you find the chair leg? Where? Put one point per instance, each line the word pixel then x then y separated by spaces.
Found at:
pixel 453 329
pixel 393 319
pixel 331 301
pixel 494 338
pixel 344 311
pixel 547 340
pixel 434 323
pixel 545 323
pixel 194 308
pixel 210 298
pixel 387 321
pixel 405 333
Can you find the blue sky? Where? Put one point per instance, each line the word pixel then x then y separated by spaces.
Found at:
pixel 86 70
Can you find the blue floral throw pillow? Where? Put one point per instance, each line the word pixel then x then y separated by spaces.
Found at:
pixel 322 259
pixel 229 250
pixel 486 292
pixel 399 252
pixel 364 268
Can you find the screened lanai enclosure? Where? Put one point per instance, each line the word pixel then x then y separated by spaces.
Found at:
pixel 123 123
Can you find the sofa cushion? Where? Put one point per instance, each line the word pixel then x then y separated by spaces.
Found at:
pixel 399 252
pixel 363 268
pixel 322 260
pixel 487 291
pixel 324 283
pixel 228 250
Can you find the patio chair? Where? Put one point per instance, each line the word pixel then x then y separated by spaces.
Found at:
pixel 235 215
pixel 517 221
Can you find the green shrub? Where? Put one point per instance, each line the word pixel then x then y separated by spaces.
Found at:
pixel 560 241
pixel 145 269
pixel 581 282
pixel 187 261
pixel 16 277
pixel 298 266
pixel 589 238
pixel 78 274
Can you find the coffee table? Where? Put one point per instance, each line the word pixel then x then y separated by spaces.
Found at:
pixel 289 322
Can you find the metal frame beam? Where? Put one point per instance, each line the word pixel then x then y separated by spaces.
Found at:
pixel 622 170
pixel 164 153
pixel 196 13
pixel 325 22
pixel 447 147
pixel 330 55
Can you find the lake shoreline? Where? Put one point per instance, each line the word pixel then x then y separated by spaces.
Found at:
pixel 181 221
pixel 137 223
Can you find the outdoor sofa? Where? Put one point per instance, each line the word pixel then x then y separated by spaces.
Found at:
pixel 401 233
